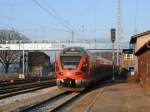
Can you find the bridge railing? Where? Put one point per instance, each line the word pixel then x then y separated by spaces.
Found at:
pixel 57 45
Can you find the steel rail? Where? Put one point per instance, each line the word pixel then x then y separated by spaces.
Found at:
pixel 24 88
pixel 53 104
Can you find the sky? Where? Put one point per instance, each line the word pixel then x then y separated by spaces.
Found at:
pixel 89 19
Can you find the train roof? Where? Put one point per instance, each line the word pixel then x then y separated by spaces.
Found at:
pixel 73 51
pixel 74 48
pixel 102 58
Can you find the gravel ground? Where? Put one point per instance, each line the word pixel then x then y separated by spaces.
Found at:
pixel 16 102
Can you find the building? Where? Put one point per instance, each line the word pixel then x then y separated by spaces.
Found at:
pixel 141 45
pixel 38 63
pixel 128 60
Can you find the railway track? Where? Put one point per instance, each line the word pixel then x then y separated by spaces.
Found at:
pixel 62 101
pixel 53 104
pixel 47 100
pixel 51 100
pixel 12 90
pixel 16 82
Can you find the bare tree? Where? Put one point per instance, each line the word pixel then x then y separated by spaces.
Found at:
pixel 8 57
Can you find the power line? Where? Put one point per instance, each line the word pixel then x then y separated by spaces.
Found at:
pixel 91 30
pixel 57 14
pixel 51 14
pixel 36 27
pixel 24 22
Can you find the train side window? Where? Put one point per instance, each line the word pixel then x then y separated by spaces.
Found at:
pixel 85 67
pixel 56 65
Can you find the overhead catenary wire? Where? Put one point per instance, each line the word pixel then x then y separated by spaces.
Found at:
pixel 52 15
pixel 35 27
pixel 58 14
pixel 25 22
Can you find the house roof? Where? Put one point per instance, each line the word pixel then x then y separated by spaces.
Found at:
pixel 134 37
pixel 128 51
pixel 145 47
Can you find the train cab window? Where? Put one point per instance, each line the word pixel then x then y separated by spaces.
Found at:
pixel 57 68
pixel 70 62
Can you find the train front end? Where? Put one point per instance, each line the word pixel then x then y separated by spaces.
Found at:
pixel 72 65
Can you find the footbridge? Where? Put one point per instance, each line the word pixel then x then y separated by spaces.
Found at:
pixel 57 45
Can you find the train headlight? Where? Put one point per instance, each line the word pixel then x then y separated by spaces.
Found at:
pixel 85 64
pixel 77 73
pixel 61 73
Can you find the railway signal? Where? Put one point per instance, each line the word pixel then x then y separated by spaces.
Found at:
pixel 113 37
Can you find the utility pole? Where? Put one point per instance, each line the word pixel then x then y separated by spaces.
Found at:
pixel 55 63
pixel 23 75
pixel 120 38
pixel 72 36
pixel 83 31
pixel 95 43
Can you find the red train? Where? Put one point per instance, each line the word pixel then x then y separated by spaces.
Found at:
pixel 77 68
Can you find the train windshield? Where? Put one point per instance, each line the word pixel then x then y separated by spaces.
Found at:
pixel 70 62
